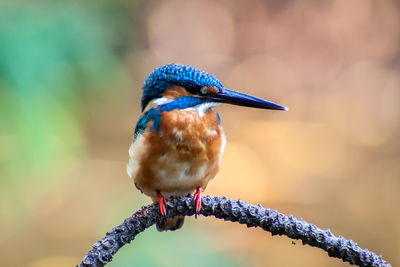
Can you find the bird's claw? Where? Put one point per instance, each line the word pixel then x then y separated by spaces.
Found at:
pixel 162 202
pixel 197 199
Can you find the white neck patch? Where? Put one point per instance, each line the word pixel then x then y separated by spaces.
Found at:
pixel 202 108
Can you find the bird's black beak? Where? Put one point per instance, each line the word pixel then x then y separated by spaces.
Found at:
pixel 235 98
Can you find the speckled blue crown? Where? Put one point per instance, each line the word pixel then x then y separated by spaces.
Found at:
pixel 176 74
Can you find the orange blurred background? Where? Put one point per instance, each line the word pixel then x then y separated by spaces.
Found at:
pixel 70 85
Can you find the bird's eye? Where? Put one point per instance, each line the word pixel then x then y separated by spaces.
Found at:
pixel 203 90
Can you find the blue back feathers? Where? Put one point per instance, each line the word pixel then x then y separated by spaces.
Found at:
pixel 191 78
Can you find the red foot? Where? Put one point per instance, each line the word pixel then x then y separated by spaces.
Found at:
pixel 197 199
pixel 162 202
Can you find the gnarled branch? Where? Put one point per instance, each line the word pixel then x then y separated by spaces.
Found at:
pixel 235 211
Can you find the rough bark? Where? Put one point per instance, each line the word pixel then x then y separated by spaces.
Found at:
pixel 234 211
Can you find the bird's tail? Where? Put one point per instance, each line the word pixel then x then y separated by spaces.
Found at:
pixel 170 224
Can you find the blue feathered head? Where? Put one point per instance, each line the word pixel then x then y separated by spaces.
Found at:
pixel 190 78
pixel 193 80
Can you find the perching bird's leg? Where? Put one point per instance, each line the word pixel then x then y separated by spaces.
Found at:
pixel 162 202
pixel 197 199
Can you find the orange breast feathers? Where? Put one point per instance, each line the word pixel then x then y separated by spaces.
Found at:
pixel 183 155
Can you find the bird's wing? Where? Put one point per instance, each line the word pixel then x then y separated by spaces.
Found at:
pixel 151 115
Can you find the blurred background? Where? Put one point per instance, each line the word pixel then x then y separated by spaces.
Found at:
pixel 70 85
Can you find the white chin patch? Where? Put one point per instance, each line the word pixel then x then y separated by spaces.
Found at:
pixel 202 108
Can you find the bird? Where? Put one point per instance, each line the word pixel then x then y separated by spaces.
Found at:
pixel 179 141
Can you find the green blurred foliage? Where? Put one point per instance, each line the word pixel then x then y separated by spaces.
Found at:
pixel 53 56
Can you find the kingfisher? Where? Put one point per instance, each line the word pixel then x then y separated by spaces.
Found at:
pixel 179 141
